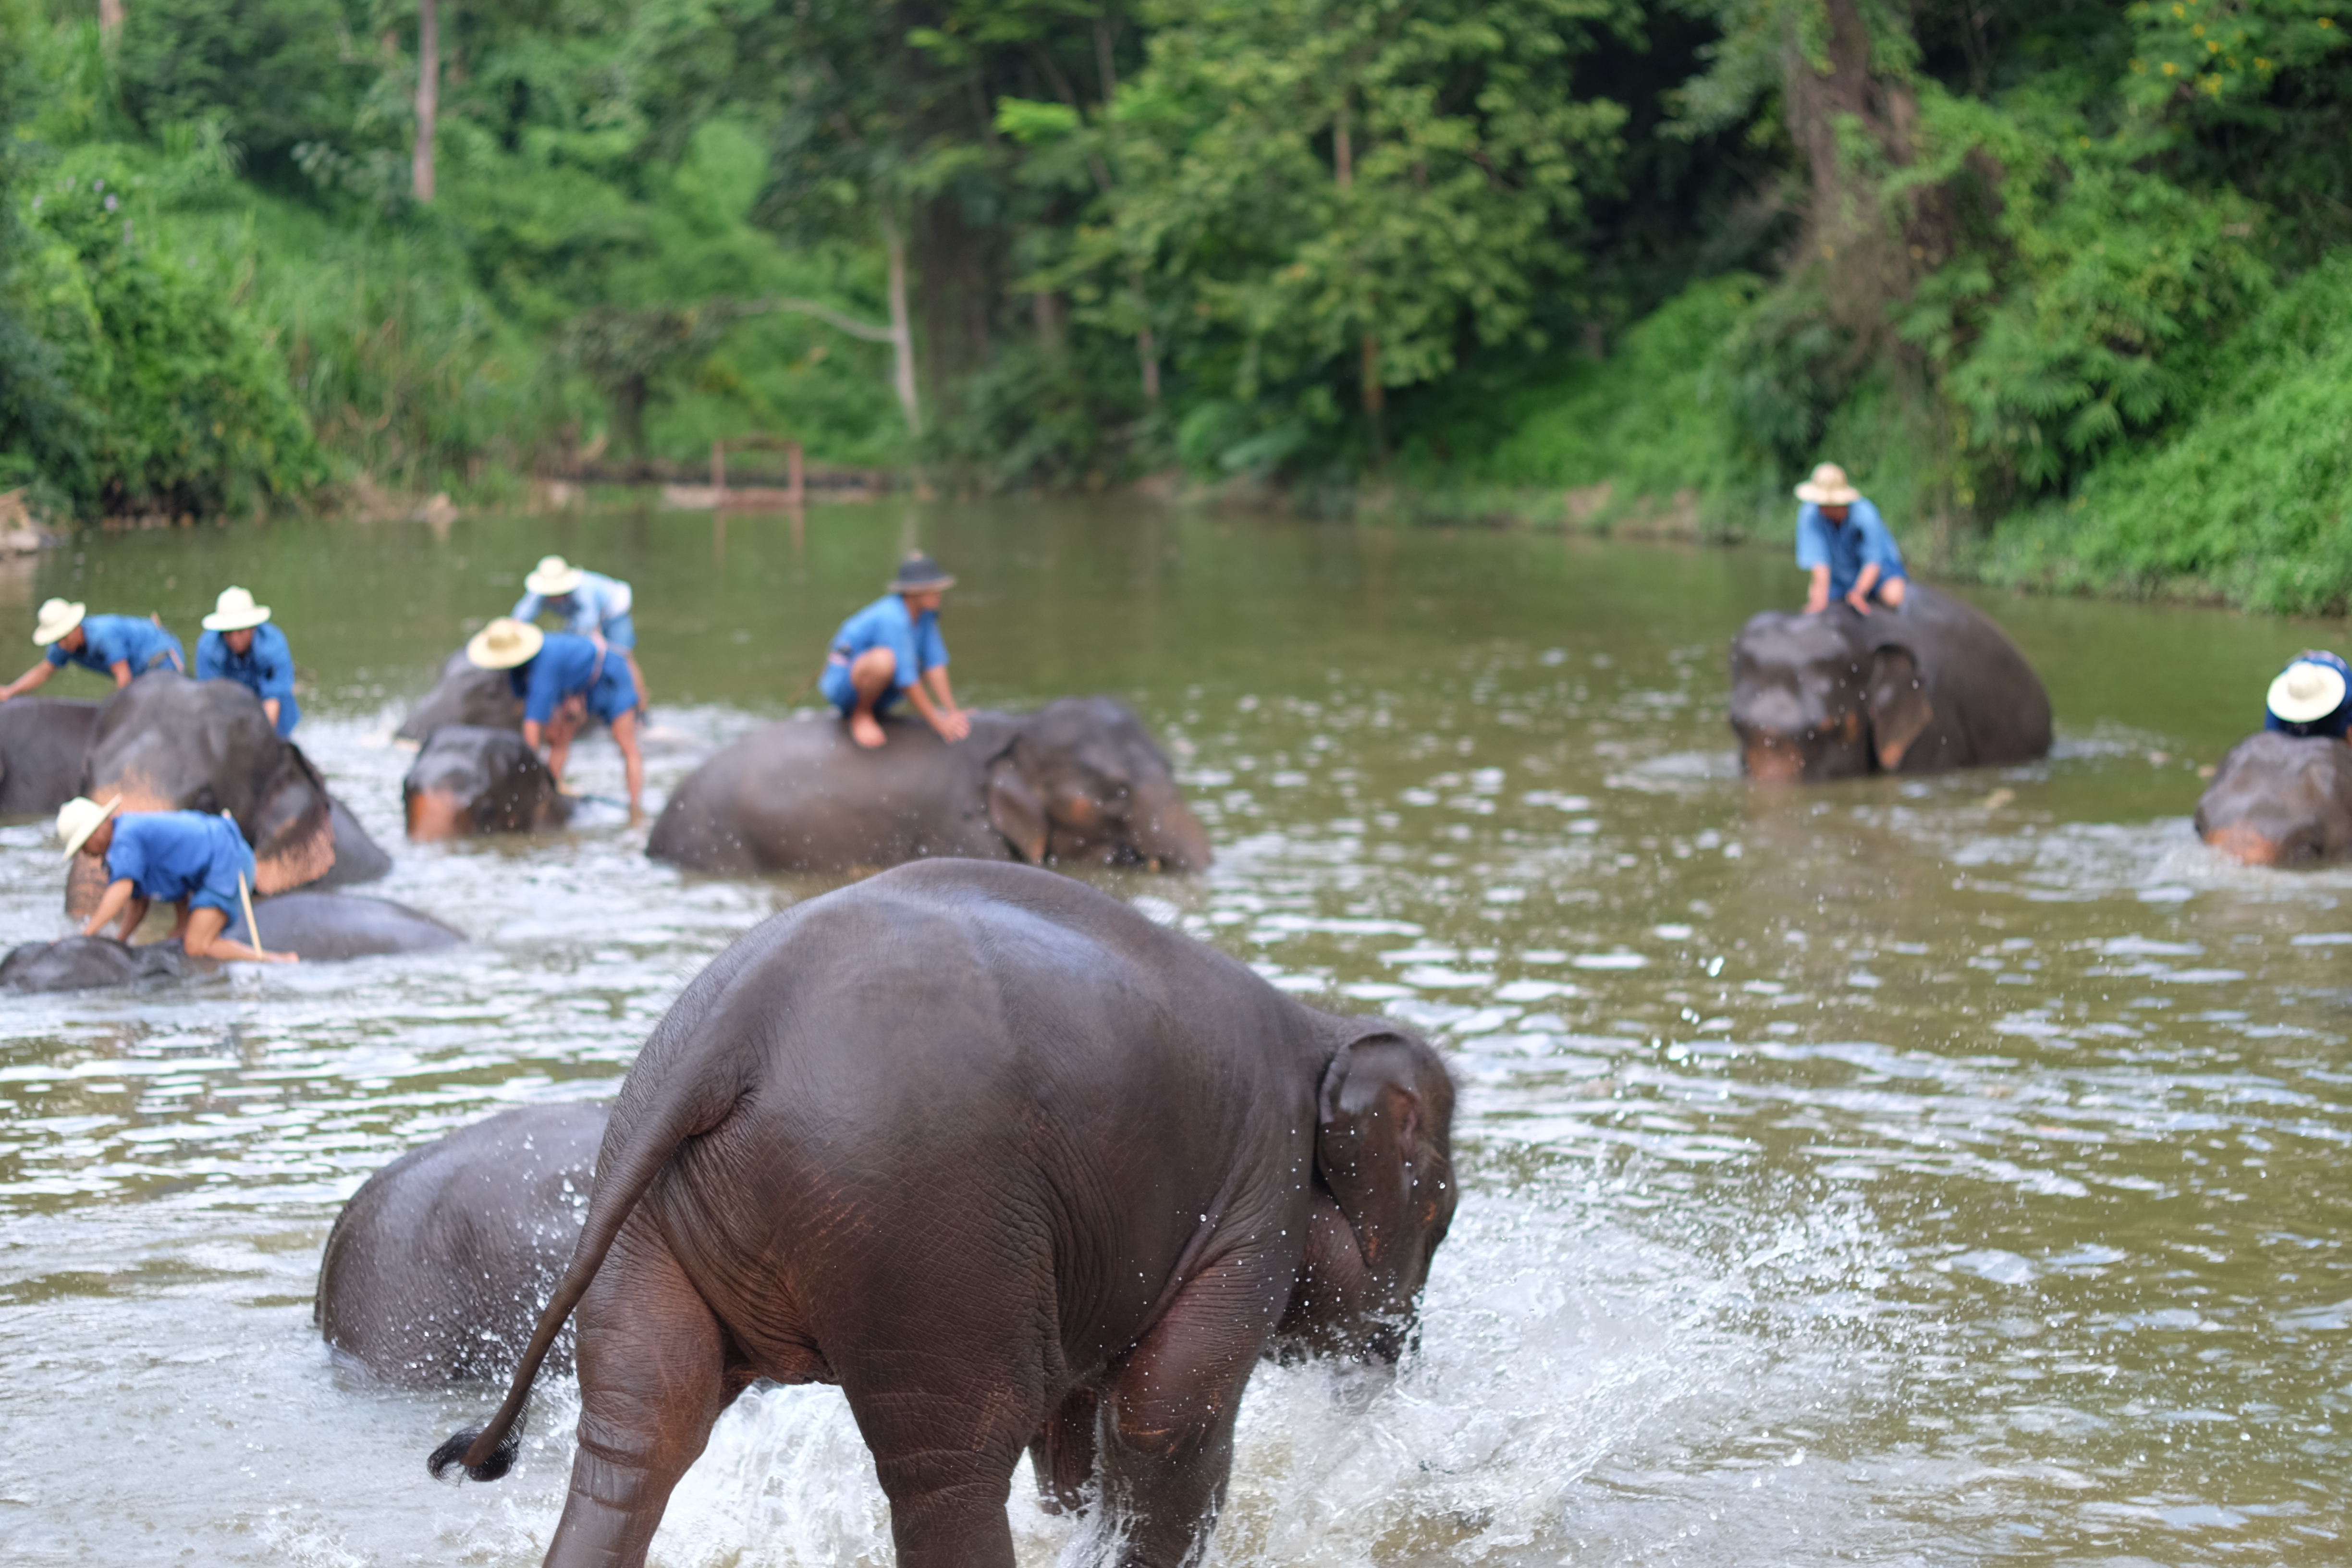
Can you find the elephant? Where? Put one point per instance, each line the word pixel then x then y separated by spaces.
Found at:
pixel 473 779
pixel 1932 686
pixel 42 743
pixel 1015 1167
pixel 168 743
pixel 2281 800
pixel 465 694
pixel 1078 782
pixel 332 927
pixel 435 1268
pixel 87 963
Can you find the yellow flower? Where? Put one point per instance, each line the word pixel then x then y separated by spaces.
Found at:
pixel 2261 64
pixel 2211 47
pixel 2171 69
pixel 2197 31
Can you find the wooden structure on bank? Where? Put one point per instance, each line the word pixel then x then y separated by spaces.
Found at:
pixel 717 496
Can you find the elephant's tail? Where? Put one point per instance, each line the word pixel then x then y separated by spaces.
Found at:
pixel 710 1089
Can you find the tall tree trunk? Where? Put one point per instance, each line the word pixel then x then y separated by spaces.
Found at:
pixel 1343 169
pixel 902 331
pixel 109 19
pixel 954 266
pixel 428 96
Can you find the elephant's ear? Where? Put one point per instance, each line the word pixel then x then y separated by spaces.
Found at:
pixel 1381 1146
pixel 293 828
pixel 1900 710
pixel 1014 810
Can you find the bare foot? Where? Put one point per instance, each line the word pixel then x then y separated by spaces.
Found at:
pixel 866 729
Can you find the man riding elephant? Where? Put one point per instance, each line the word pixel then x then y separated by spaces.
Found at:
pixel 2282 796
pixel 1843 542
pixel 891 649
pixel 122 646
pixel 2310 697
pixel 561 677
pixel 192 859
pixel 240 645
pixel 590 605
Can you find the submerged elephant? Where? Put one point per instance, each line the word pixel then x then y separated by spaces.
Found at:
pixel 465 694
pixel 332 927
pixel 471 779
pixel 1015 1167
pixel 2281 800
pixel 87 962
pixel 168 743
pixel 1078 782
pixel 42 745
pixel 1932 686
pixel 437 1267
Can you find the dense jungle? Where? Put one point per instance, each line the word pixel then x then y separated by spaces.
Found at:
pixel 2065 283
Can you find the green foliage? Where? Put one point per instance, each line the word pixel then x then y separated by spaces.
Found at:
pixel 274 75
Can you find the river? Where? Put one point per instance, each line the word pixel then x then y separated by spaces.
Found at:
pixel 1896 1171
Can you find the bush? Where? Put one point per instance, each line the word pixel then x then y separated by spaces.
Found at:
pixel 274 73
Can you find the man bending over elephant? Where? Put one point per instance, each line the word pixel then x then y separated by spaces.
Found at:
pixel 192 858
pixel 124 646
pixel 240 645
pixel 2309 697
pixel 1842 541
pixel 561 677
pixel 590 605
pixel 892 649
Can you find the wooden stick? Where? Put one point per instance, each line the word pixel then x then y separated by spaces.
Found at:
pixel 252 926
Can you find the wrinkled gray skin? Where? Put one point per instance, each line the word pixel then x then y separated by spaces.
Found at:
pixel 471 779
pixel 1015 1168
pixel 2281 800
pixel 87 962
pixel 438 1265
pixel 358 857
pixel 463 695
pixel 42 745
pixel 1935 685
pixel 331 927
pixel 1080 782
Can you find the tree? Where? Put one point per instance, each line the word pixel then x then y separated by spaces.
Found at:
pixel 428 97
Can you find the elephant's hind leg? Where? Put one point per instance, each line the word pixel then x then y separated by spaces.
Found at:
pixel 654 1377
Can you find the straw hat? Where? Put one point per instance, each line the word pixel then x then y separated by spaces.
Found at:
pixel 235 612
pixel 553 577
pixel 79 817
pixel 58 619
pixel 504 644
pixel 2307 690
pixel 919 573
pixel 1828 487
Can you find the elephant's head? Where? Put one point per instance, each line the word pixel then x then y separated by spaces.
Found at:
pixel 2281 800
pixel 1082 784
pixel 465 694
pixel 1815 696
pixel 1384 1152
pixel 470 780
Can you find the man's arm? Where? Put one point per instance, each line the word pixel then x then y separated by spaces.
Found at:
pixel 1859 595
pixel 30 679
pixel 952 725
pixel 269 706
pixel 115 900
pixel 1817 597
pixel 120 670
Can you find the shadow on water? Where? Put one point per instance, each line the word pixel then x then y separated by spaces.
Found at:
pixel 1894 1172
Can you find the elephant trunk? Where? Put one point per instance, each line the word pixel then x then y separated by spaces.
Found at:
pixel 1167 833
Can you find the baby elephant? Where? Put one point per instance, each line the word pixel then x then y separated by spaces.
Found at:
pixel 437 1267
pixel 1015 1167
pixel 471 779
pixel 87 963
pixel 2281 800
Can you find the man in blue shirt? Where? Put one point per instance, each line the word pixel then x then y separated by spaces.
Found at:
pixel 240 645
pixel 1842 540
pixel 192 858
pixel 124 646
pixel 2309 697
pixel 892 649
pixel 589 604
pixel 561 677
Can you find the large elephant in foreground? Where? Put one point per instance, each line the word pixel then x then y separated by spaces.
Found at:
pixel 1015 1167
pixel 473 779
pixel 2281 800
pixel 319 928
pixel 465 694
pixel 1934 685
pixel 1078 782
pixel 437 1265
pixel 168 743
pixel 42 744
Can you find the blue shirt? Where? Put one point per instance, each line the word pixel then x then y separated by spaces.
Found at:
pixel 266 669
pixel 883 624
pixel 565 666
pixel 2334 725
pixel 173 855
pixel 1861 540
pixel 108 640
pixel 597 603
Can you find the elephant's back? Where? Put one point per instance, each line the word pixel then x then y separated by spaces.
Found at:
pixel 1985 676
pixel 331 927
pixel 43 743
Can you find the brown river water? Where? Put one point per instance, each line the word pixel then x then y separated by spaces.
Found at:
pixel 1897 1171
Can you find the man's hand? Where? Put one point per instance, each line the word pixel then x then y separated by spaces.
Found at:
pixel 952 725
pixel 1860 601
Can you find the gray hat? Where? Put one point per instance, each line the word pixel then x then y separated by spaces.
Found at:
pixel 919 573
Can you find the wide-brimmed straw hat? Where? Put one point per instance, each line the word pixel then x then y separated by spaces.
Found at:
pixel 553 577
pixel 1828 487
pixel 56 619
pixel 504 644
pixel 2307 690
pixel 79 817
pixel 235 612
pixel 919 573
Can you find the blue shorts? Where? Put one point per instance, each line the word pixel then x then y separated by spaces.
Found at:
pixel 838 690
pixel 219 890
pixel 1877 589
pixel 620 631
pixel 613 693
